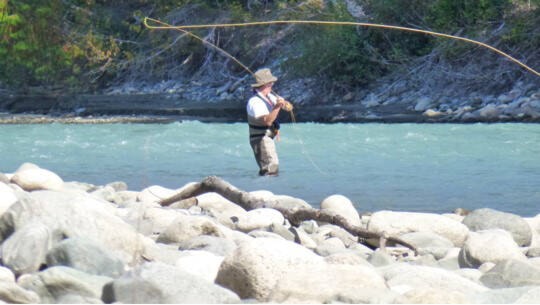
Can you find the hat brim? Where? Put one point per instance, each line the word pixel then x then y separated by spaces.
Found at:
pixel 273 79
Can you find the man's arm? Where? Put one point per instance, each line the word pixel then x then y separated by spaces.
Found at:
pixel 269 119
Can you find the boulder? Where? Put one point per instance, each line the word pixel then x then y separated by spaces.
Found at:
pixel 414 282
pixel 488 246
pixel 13 294
pixel 534 224
pixel 6 275
pixel 25 250
pixel 429 243
pixel 512 273
pixel 261 218
pixel 225 211
pixel 330 283
pixel 485 219
pixel 149 219
pixel 87 256
pixel 154 194
pixel 399 223
pixel 75 215
pixel 54 283
pixel 185 227
pixel 256 266
pixel 7 197
pixel 4 179
pixel 217 245
pixel 330 246
pixel 343 207
pixel 200 263
pixel 31 179
pixel 158 283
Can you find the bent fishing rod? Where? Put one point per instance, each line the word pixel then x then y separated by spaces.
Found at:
pixel 289 107
pixel 164 26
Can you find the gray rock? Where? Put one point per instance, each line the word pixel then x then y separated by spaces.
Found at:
pixel 158 283
pixel 257 265
pixel 217 245
pixel 347 258
pixel 7 197
pixel 380 258
pixel 429 243
pixel 330 246
pixel 220 208
pixel 186 227
pixel 13 293
pixel 422 284
pixel 3 178
pixel 25 250
pixel 512 273
pixel 200 263
pixel 532 296
pixel 77 299
pixel 488 246
pixel 302 238
pixel 533 252
pixel 75 215
pixel 54 283
pixel 31 179
pixel 399 223
pixel 86 256
pixel 343 207
pixel 484 219
pixel 150 220
pixel 324 283
pixel 261 218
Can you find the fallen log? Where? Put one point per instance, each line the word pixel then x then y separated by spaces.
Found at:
pixel 294 215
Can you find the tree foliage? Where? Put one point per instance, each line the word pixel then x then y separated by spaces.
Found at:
pixel 87 45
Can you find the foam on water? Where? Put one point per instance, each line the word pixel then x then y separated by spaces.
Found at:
pixel 408 167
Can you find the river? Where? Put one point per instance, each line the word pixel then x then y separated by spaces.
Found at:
pixel 405 167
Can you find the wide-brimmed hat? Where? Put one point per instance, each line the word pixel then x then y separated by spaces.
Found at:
pixel 263 77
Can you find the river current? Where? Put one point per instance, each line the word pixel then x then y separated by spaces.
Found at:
pixel 402 167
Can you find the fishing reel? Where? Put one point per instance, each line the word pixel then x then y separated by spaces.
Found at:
pixel 288 106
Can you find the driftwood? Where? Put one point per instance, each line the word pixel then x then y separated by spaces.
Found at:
pixel 294 215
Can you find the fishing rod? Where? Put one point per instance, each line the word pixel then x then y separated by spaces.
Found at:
pixel 289 107
pixel 163 26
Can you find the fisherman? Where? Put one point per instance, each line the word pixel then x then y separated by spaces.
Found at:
pixel 262 111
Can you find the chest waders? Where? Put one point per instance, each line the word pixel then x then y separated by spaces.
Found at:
pixel 261 141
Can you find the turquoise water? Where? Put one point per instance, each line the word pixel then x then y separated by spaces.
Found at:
pixel 406 167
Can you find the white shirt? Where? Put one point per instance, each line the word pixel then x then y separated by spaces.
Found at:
pixel 256 106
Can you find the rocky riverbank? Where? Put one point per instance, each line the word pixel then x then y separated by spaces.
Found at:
pixel 80 243
pixel 391 101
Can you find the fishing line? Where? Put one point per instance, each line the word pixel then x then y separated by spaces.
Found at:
pixel 340 23
pixel 293 119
